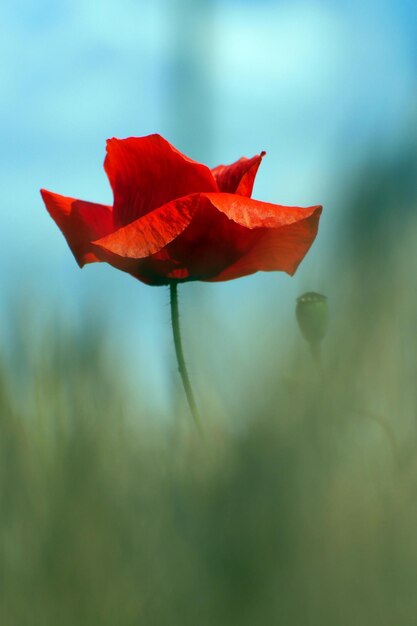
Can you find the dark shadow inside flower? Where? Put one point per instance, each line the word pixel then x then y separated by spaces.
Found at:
pixel 209 244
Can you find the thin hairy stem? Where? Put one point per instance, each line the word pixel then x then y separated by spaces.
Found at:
pixel 182 368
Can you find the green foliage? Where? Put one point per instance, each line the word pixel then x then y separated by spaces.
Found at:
pixel 305 515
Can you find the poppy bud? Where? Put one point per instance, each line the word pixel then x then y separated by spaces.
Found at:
pixel 313 318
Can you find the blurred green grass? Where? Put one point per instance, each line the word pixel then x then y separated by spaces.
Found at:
pixel 297 506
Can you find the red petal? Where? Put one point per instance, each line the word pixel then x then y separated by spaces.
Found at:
pixel 211 237
pixel 153 231
pixel 238 177
pixel 80 221
pixel 276 237
pixel 147 172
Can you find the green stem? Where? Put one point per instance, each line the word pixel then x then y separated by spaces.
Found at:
pixel 316 354
pixel 182 368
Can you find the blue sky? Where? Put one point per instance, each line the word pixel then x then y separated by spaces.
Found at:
pixel 315 83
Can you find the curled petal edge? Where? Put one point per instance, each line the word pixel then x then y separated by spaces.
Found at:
pixel 238 177
pixel 256 214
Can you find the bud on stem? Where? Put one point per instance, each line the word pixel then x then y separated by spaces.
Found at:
pixel 312 314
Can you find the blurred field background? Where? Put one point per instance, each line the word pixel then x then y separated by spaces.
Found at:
pixel 298 504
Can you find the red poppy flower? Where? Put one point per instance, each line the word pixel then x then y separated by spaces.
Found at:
pixel 174 219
